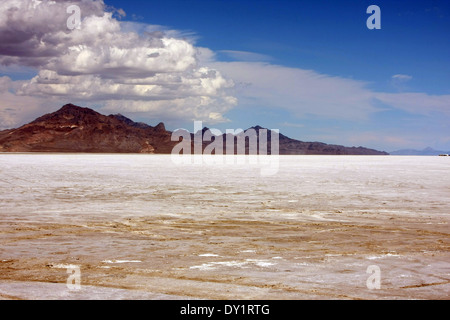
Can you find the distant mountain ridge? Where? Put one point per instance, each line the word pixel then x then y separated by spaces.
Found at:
pixel 412 152
pixel 77 129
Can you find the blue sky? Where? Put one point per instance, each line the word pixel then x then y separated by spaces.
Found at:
pixel 309 68
pixel 327 36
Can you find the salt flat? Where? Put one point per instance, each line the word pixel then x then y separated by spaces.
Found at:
pixel 144 227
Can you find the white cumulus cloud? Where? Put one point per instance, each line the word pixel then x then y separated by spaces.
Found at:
pixel 109 63
pixel 401 77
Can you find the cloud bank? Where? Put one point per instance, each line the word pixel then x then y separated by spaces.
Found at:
pixel 106 64
pixel 299 91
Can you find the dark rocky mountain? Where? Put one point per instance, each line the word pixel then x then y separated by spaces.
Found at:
pixel 288 146
pixel 77 129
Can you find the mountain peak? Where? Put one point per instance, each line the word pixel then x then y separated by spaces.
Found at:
pixel 77 129
pixel 71 108
pixel 68 112
pixel 160 127
pixel 257 127
pixel 129 122
pixel 202 131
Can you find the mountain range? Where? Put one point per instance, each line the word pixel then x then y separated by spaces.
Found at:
pixel 77 129
pixel 412 152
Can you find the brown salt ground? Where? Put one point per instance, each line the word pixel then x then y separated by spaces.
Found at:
pixel 170 258
pixel 139 227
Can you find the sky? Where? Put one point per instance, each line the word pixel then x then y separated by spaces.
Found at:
pixel 312 69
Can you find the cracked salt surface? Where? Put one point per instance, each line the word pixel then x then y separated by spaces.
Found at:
pixel 383 256
pixel 237 264
pixel 310 231
pixel 121 261
pixel 59 291
pixel 64 266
